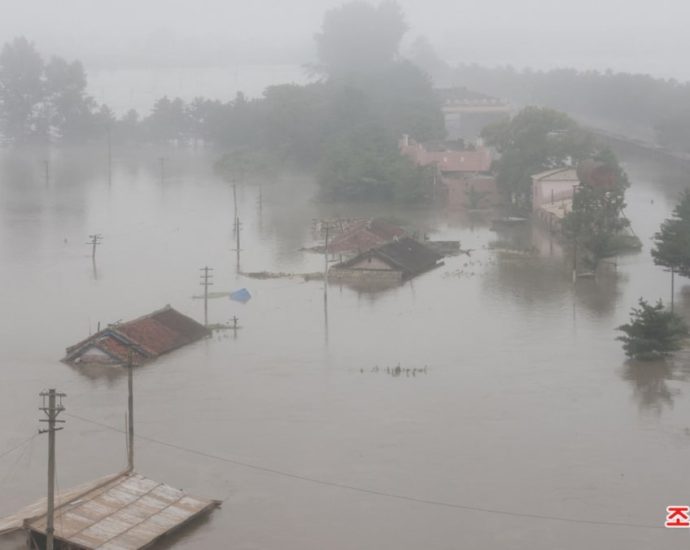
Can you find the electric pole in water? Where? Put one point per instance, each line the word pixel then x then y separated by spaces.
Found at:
pixel 110 156
pixel 234 201
pixel 130 415
pixel 162 161
pixel 94 242
pixel 52 410
pixel 238 226
pixel 206 282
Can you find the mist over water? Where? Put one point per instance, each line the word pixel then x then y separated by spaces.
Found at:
pixel 525 402
pixel 484 404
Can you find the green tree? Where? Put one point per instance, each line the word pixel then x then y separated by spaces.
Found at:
pixel 652 332
pixel 168 121
pixel 672 242
pixel 596 221
pixel 22 92
pixel 535 140
pixel 359 38
pixel 364 165
pixel 73 115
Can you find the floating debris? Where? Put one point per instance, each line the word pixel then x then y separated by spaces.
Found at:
pixel 396 371
pixel 315 276
pixel 242 295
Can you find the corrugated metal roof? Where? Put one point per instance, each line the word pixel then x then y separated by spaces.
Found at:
pixel 127 513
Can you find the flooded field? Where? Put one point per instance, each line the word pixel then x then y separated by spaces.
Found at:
pixel 512 422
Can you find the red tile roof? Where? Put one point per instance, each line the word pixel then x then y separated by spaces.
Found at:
pixel 365 235
pixel 144 338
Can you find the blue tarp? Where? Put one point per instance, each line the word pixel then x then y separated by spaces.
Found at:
pixel 241 295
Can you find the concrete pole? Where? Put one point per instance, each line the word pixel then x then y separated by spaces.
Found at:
pixel 130 417
pixel 51 471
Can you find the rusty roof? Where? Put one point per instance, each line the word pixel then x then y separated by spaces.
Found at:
pixel 406 255
pixel 144 338
pixel 364 235
pixel 128 512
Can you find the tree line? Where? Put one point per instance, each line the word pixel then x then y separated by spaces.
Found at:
pixel 344 127
pixel 660 105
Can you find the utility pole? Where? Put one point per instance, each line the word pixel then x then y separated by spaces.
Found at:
pixel 238 230
pixel 130 416
pixel 162 161
pixel 673 274
pixel 52 411
pixel 46 164
pixel 110 156
pixel 94 242
pixel 234 201
pixel 325 256
pixel 206 282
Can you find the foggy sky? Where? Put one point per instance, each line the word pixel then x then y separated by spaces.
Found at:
pixel 623 35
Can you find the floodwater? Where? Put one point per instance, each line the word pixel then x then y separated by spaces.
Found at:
pixel 521 401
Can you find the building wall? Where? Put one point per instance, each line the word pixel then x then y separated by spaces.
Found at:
pixel 371 263
pixel 460 192
pixel 364 275
pixel 94 355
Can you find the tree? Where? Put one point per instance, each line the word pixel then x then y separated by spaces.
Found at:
pixel 72 113
pixel 22 92
pixel 653 332
pixel 596 220
pixel 359 38
pixel 672 242
pixel 535 140
pixel 168 121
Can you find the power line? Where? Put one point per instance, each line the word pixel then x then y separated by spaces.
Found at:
pixel 375 492
pixel 11 450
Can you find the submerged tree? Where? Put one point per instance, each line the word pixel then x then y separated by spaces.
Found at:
pixel 533 141
pixel 596 221
pixel 22 92
pixel 672 242
pixel 653 332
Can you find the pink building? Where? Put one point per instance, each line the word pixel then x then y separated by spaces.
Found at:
pixel 465 172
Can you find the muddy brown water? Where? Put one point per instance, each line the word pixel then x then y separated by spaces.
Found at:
pixel 525 404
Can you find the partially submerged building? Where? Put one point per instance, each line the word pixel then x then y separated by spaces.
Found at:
pixel 393 262
pixel 364 235
pixel 552 194
pixel 463 170
pixel 140 340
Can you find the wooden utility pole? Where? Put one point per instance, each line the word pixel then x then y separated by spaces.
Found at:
pixel 234 201
pixel 673 276
pixel 52 410
pixel 130 414
pixel 237 249
pixel 206 282
pixel 110 156
pixel 325 256
pixel 94 242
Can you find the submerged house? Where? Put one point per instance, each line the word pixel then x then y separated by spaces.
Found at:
pixel 463 170
pixel 364 235
pixel 396 261
pixel 552 195
pixel 138 341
